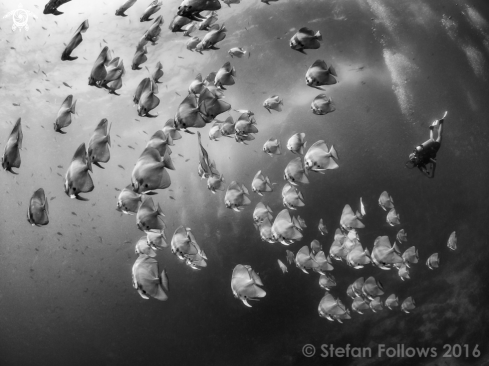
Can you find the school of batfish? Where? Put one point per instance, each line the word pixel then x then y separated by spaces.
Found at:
pixel 201 107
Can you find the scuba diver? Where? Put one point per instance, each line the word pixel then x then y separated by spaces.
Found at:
pixel 424 156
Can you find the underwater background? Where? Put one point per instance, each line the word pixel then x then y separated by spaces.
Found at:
pixel 66 294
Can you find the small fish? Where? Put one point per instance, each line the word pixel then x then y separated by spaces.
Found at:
pixel 362 212
pixel 121 10
pixel 327 281
pixel 410 256
pixel 349 220
pixel 295 172
pixel 282 266
pixel 322 228
pixel 386 201
pixel 98 146
pixel 149 216
pixel 452 241
pixel 408 305
pixel 237 52
pixel 74 42
pixel 272 147
pixel 393 217
pixel 384 255
pixel 185 247
pixel 261 184
pixel 148 281
pixel 286 229
pixel 156 240
pixel 215 35
pixel 11 154
pixel 392 301
pixel 401 236
pixel 376 304
pixel 120 166
pixel 372 288
pixel 319 159
pixel 192 43
pixel 359 304
pixel 158 72
pixel 143 248
pixel 302 222
pixel 37 213
pixel 322 105
pixel 320 74
pixel 296 143
pixel 315 247
pixel 63 118
pixel 274 102
pixel 305 39
pixel 16 105
pixel 433 261
pixel 153 7
pixel 65 84
pixel 246 283
pixel 261 213
pixel 236 197
pixel 77 178
pixel 225 76
pixel 151 172
pixel 290 256
pixel 129 201
pixel 292 198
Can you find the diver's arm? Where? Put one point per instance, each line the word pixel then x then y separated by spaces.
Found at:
pixel 425 170
pixel 430 170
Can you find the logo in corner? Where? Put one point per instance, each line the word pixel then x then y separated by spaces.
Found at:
pixel 20 17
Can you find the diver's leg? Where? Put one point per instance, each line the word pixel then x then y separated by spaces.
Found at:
pixel 422 169
pixel 429 170
pixel 440 129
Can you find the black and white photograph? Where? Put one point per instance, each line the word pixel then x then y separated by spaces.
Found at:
pixel 244 182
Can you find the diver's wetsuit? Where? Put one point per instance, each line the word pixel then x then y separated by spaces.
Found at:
pixel 428 150
pixel 426 156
